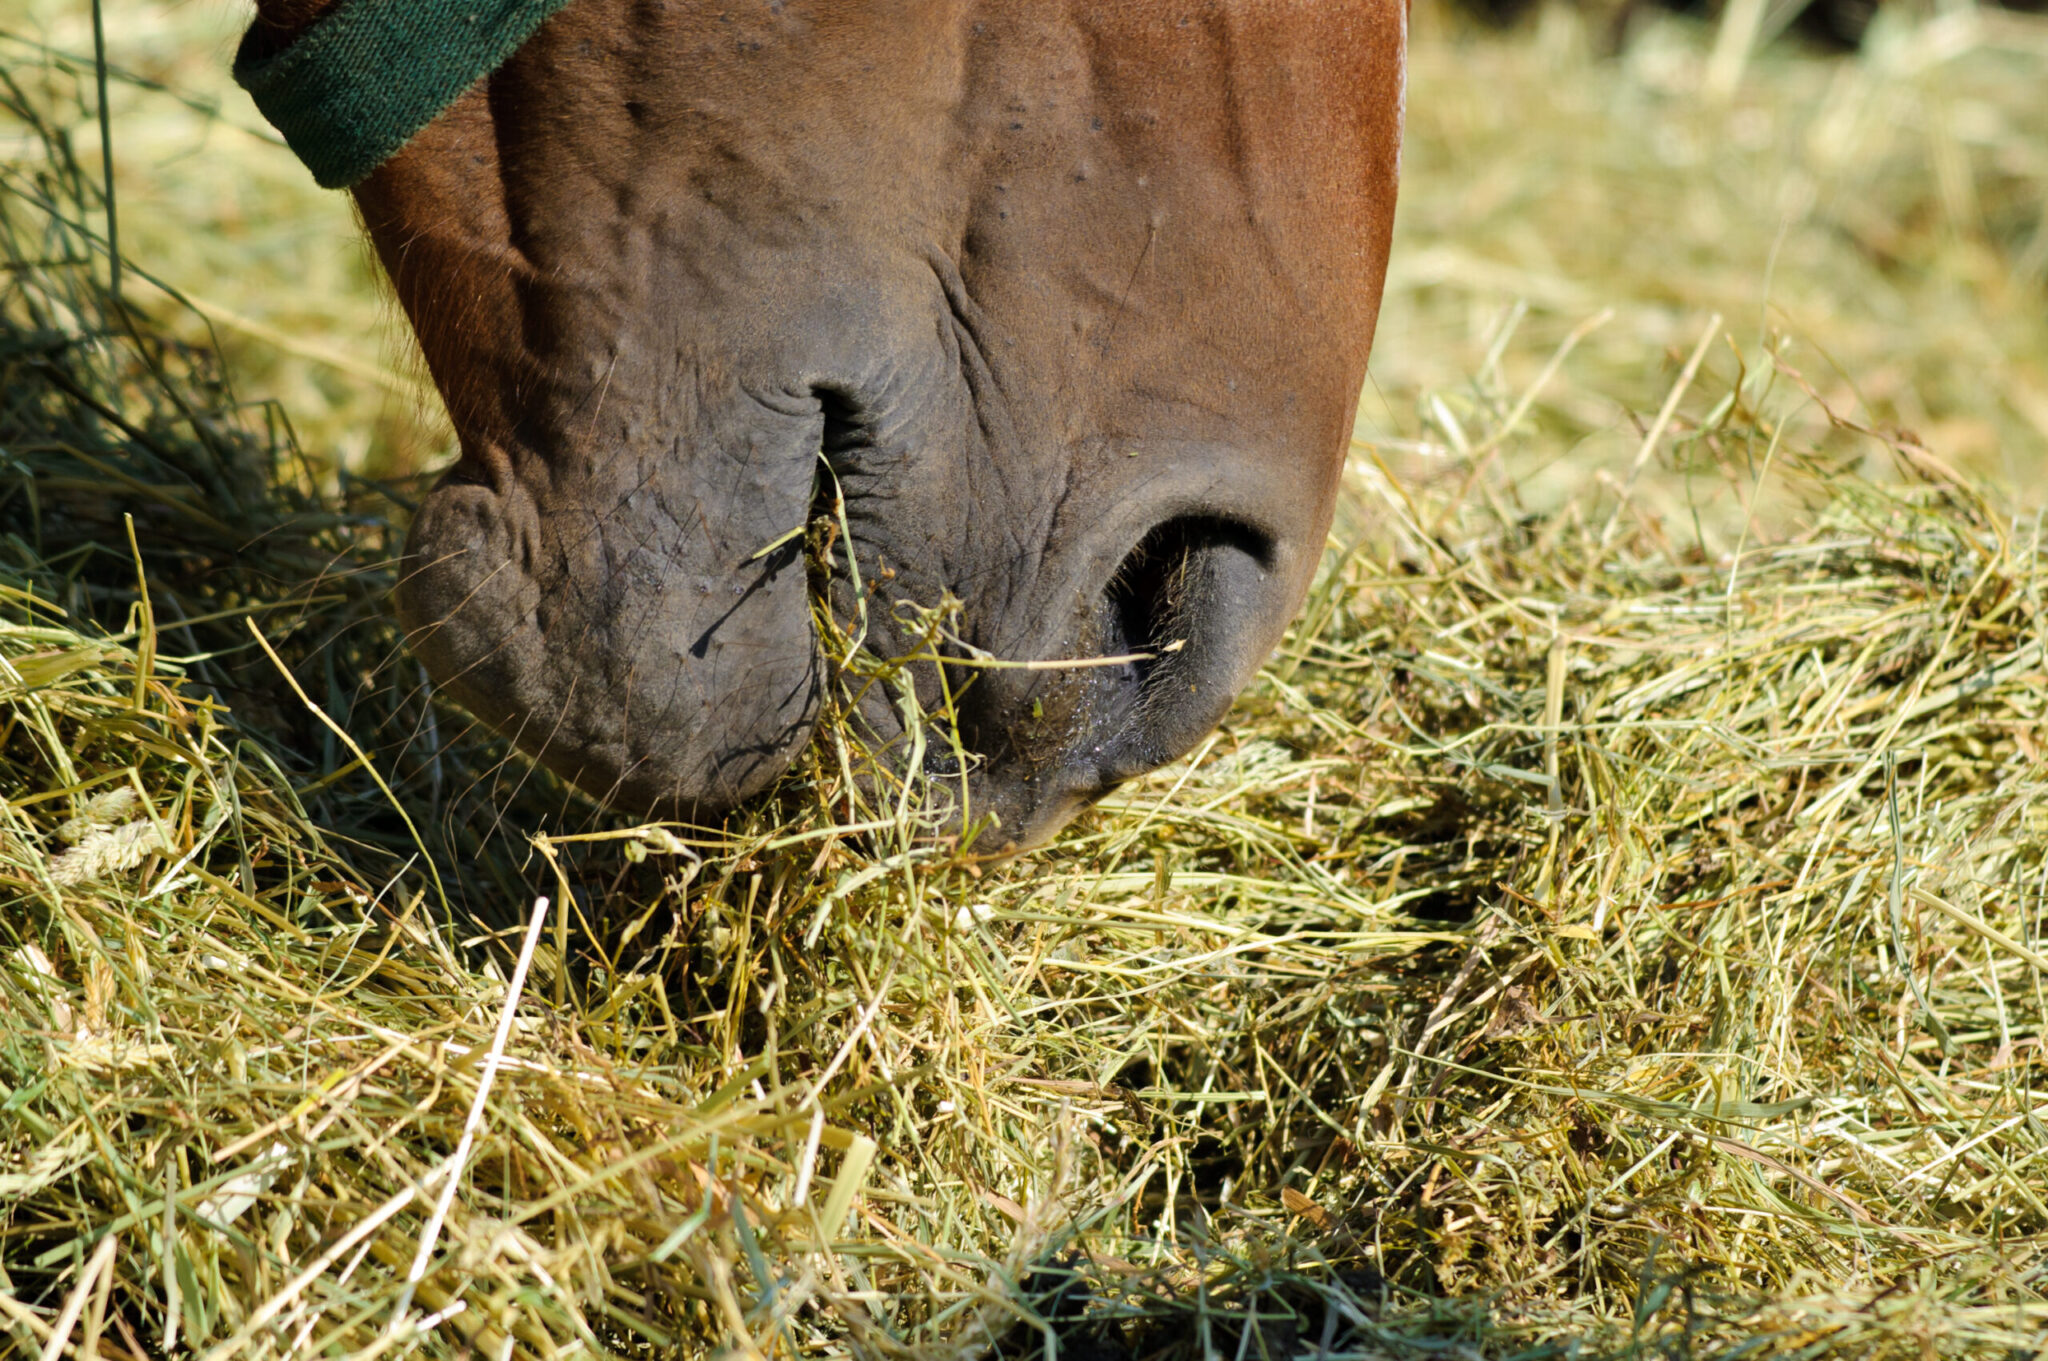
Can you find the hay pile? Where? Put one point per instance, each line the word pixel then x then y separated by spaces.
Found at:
pixel 1579 942
pixel 272 267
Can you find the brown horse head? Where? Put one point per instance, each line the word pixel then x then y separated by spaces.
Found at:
pixel 1068 305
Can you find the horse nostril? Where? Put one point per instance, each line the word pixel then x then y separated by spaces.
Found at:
pixel 1193 604
pixel 1158 598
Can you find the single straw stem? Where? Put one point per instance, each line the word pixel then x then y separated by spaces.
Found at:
pixel 1657 428
pixel 451 1170
pixel 99 62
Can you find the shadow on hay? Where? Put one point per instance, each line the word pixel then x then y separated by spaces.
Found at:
pixel 1069 1313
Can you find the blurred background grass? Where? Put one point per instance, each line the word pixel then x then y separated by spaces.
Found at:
pixel 212 204
pixel 1882 213
pixel 1877 214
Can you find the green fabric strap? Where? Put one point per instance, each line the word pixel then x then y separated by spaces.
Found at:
pixel 353 89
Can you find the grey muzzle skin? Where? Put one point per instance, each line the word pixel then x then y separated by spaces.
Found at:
pixel 683 692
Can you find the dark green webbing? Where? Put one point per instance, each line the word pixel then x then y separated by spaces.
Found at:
pixel 354 88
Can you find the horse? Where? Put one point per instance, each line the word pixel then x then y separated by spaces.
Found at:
pixel 1056 312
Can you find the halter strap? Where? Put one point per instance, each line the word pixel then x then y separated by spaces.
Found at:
pixel 352 90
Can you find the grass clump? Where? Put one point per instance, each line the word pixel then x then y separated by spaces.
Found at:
pixel 1597 933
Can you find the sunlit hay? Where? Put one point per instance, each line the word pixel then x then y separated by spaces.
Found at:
pixel 1589 936
pixel 1886 210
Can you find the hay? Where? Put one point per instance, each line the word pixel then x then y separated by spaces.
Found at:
pixel 1587 938
pixel 1883 212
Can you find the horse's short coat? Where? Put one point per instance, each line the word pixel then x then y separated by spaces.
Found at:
pixel 1075 296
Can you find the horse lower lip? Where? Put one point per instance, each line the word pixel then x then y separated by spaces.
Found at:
pixel 686 685
pixel 1055 804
